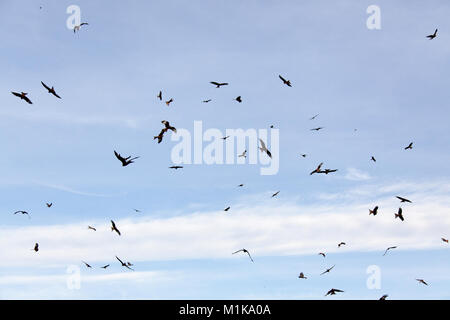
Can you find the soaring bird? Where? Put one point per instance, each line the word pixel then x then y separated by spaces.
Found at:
pixel 384 297
pixel 49 204
pixel 176 167
pixel 206 101
pixel 22 96
pixel 312 118
pixel 137 210
pixel 244 251
pixel 432 36
pixel 409 146
pixel 51 90
pixel 36 247
pixel 219 84
pixel 328 270
pixel 403 199
pixel 445 240
pixel 244 154
pixel 241 185
pixel 317 129
pixel 327 171
pixel 166 128
pixel 22 212
pixel 275 194
pixel 322 254
pixel 227 208
pixel 238 99
pixel 114 228
pixel 302 276
pixel 225 138
pixel 373 159
pixel 126 265
pixel 341 244
pixel 399 214
pixel 105 266
pixel 374 211
pixel 390 248
pixel 125 161
pixel 168 102
pixel 92 228
pixel 422 281
pixel 286 82
pixel 304 155
pixel 87 264
pixel 159 96
pixel 317 170
pixel 263 148
pixel 77 28
pixel 333 292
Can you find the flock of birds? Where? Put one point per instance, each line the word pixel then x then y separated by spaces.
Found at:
pixel 125 161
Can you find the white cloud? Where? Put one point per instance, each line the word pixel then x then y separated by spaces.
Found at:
pixel 357 175
pixel 267 228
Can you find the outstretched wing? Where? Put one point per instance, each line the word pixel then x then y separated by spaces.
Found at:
pixel 45 86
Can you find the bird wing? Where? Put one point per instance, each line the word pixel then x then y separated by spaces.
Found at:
pixel 119 260
pixel 263 145
pixel 45 86
pixel 282 79
pixel 238 251
pixel 54 93
pixel 215 83
pixel 118 156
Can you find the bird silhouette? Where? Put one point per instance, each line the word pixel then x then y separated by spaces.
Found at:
pixel 92 228
pixel 403 199
pixel 77 28
pixel 422 281
pixel 432 36
pixel 114 228
pixel 384 297
pixel 51 90
pixel 159 96
pixel 244 251
pixel 176 167
pixel 341 244
pixel 322 254
pixel 238 99
pixel 168 102
pixel 87 265
pixel 126 265
pixel 327 271
pixel 263 148
pixel 49 204
pixel 333 292
pixel 22 96
pixel 36 247
pixel 275 194
pixel 317 170
pixel 302 276
pixel 125 161
pixel 390 248
pixel 219 84
pixel 373 159
pixel 227 208
pixel 374 211
pixel 409 146
pixel 286 82
pixel 399 214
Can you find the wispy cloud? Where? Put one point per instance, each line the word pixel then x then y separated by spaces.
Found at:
pixel 357 175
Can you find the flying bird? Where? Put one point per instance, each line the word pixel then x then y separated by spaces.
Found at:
pixel 137 210
pixel 244 251
pixel 341 244
pixel 168 102
pixel 327 171
pixel 422 281
pixel 384 297
pixel 322 254
pixel 238 99
pixel 159 96
pixel 399 214
pixel 87 264
pixel 244 154
pixel 333 292
pixel 92 228
pixel 286 82
pixel 304 155
pixel 445 240
pixel 126 265
pixel 263 148
pixel 312 118
pixel 302 276
pixel 114 228
pixel 22 212
pixel 373 159
pixel 225 138
pixel 166 128
pixel 219 84
pixel 327 271
pixel 51 90
pixel 227 208
pixel 36 247
pixel 125 161
pixel 403 199
pixel 241 185
pixel 316 129
pixel 22 96
pixel 409 146
pixel 374 211
pixel 390 248
pixel 106 266
pixel 77 28
pixel 206 101
pixel 49 204
pixel 432 36
pixel 317 170
pixel 176 167
pixel 275 194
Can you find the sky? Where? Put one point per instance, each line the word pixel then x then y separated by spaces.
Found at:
pixel 374 91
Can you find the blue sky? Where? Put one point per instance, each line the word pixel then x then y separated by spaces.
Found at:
pixel 389 84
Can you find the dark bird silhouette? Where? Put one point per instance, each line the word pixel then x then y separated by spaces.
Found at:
pixel 22 212
pixel 333 292
pixel 422 281
pixel 77 28
pixel 374 211
pixel 114 228
pixel 432 36
pixel 403 199
pixel 341 244
pixel 168 102
pixel 302 276
pixel 22 96
pixel 327 171
pixel 49 204
pixel 138 211
pixel 399 214
pixel 317 170
pixel 409 146
pixel 445 240
pixel 322 254
pixel 373 159
pixel 263 148
pixel 384 297
pixel 286 82
pixel 176 167
pixel 238 99
pixel 275 194
pixel 219 84
pixel 92 228
pixel 126 265
pixel 317 129
pixel 225 138
pixel 36 247
pixel 227 208
pixel 104 267
pixel 125 161
pixel 244 251
pixel 304 155
pixel 241 185
pixel 312 118
pixel 327 271
pixel 87 264
pixel 51 90
pixel 244 154
pixel 166 128
pixel 159 96
pixel 206 101
pixel 390 248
